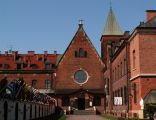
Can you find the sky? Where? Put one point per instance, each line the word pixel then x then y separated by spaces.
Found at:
pixel 49 25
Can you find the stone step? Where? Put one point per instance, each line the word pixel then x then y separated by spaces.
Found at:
pixel 84 112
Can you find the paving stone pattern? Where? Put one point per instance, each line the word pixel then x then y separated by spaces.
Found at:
pixel 84 117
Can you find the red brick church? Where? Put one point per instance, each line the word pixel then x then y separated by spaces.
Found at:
pixel 121 82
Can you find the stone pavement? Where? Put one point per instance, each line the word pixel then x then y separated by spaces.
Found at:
pixel 84 117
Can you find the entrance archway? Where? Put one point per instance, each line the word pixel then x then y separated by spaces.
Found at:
pixel 81 103
pixel 150 104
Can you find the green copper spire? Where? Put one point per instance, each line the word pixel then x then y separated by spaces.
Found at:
pixel 112 27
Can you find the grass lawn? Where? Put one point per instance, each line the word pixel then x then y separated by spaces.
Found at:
pixel 63 117
pixel 109 117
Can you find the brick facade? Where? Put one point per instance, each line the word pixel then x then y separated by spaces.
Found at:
pixel 70 63
pixel 131 70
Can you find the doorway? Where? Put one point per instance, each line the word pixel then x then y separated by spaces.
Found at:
pixel 81 103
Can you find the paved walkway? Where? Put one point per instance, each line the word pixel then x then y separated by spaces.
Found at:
pixel 84 117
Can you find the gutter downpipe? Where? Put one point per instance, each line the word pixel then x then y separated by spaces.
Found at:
pixel 127 65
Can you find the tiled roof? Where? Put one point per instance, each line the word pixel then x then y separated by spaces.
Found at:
pixel 150 23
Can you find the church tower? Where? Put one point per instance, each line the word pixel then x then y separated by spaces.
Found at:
pixel 111 33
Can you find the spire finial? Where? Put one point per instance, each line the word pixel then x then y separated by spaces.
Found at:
pixel 110 4
pixel 80 22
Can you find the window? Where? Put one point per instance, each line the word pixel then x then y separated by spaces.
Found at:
pixel 125 95
pixel 97 101
pixel 121 69
pixel 34 66
pixel 134 59
pixel 80 76
pixel 118 74
pixel 81 53
pixel 6 66
pixel 47 84
pixel 125 67
pixel 48 66
pixel 115 73
pixel 19 66
pixel 53 65
pixel 34 83
pixel 121 92
pixel 65 101
pixel 135 93
pixel 76 54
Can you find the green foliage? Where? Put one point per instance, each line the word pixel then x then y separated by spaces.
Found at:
pixel 109 117
pixel 63 117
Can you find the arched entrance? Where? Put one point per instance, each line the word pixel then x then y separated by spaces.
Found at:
pixel 81 101
pixel 5 110
pixel 150 104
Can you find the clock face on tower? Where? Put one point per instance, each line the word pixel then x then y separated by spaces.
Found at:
pixel 81 76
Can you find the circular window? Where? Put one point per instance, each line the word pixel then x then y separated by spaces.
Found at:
pixel 80 76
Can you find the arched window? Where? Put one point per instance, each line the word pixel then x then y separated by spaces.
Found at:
pixel 80 53
pixel 76 54
pixel 134 59
pixel 135 93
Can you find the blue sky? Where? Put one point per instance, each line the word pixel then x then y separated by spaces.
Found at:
pixel 50 25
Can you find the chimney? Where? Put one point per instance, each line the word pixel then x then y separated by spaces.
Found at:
pixel 126 33
pixel 31 53
pixel 6 53
pixel 45 52
pixel 15 54
pixel 55 52
pixel 150 14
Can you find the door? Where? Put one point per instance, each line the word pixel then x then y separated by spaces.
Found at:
pixel 81 103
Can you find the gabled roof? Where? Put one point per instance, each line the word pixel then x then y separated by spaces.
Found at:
pixel 150 23
pixel 80 29
pixel 112 27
